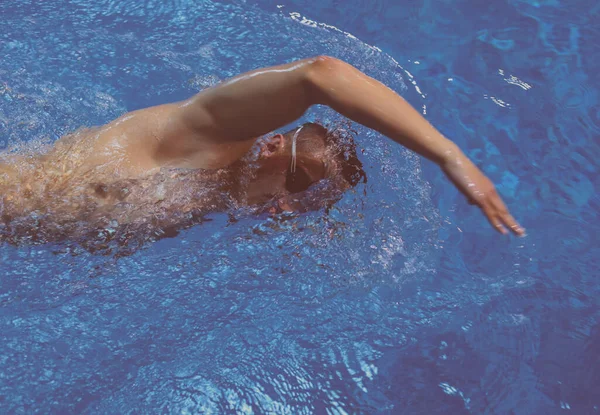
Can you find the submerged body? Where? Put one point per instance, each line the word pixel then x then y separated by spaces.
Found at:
pixel 202 154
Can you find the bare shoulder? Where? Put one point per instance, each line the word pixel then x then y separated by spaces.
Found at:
pixel 131 139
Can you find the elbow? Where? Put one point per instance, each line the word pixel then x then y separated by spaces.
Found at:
pixel 324 61
pixel 322 65
pixel 320 72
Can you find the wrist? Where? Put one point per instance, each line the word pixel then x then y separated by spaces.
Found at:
pixel 452 156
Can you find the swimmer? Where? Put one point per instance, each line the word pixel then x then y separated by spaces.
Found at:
pixel 127 167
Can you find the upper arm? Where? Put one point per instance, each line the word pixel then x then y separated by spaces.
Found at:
pixel 252 104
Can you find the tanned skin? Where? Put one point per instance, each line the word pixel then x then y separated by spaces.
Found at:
pixel 219 125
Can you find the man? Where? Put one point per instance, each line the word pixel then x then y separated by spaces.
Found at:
pixel 136 158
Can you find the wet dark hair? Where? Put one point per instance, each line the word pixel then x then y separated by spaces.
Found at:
pixel 336 145
pixel 341 142
pixel 343 169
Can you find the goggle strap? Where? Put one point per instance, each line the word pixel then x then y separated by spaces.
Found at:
pixel 294 139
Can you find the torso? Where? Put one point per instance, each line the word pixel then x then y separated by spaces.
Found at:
pixel 140 166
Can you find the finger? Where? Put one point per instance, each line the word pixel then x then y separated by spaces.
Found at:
pixel 506 217
pixel 512 224
pixel 284 205
pixel 493 218
pixel 497 202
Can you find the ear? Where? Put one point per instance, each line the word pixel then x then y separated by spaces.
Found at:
pixel 272 145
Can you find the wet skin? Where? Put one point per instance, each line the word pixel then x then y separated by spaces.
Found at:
pixel 219 125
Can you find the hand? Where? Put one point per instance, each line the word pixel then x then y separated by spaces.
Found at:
pixel 480 191
pixel 281 205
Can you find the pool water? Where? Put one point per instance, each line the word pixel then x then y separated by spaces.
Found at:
pixel 400 300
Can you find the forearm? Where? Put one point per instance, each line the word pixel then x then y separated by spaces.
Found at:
pixel 374 105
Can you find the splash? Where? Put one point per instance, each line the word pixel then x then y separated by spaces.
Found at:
pixel 49 194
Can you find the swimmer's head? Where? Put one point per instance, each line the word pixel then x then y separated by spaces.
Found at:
pixel 290 165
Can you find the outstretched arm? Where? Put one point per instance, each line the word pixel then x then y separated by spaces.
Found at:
pixel 260 101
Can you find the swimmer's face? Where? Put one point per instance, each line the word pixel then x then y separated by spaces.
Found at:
pixel 275 177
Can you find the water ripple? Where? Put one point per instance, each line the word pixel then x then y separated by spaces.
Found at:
pixel 397 300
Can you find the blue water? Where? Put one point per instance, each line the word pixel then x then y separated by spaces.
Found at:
pixel 400 300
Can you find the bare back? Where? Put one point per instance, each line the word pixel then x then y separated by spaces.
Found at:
pixel 107 177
